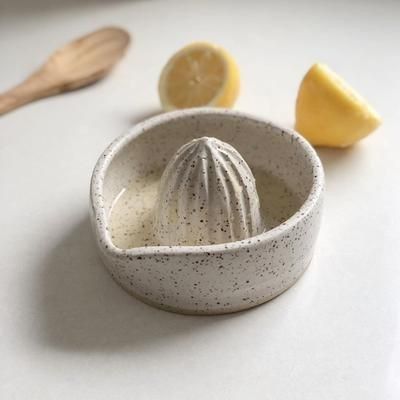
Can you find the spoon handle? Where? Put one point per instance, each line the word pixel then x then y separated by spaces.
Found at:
pixel 33 88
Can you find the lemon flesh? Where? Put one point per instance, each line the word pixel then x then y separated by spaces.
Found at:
pixel 200 74
pixel 329 112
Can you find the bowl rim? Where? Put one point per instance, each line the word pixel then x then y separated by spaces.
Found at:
pixel 117 145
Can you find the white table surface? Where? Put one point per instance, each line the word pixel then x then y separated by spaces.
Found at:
pixel 67 331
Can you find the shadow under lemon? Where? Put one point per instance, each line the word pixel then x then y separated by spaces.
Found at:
pixel 339 163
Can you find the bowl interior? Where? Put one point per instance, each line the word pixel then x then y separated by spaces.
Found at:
pixel 150 145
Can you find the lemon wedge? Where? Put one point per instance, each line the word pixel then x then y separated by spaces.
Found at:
pixel 200 74
pixel 329 112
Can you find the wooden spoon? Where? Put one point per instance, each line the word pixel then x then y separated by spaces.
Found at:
pixel 77 64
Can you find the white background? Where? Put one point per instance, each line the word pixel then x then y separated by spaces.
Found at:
pixel 67 331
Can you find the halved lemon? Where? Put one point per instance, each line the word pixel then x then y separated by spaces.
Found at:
pixel 329 112
pixel 200 74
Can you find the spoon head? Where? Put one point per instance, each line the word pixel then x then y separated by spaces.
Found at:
pixel 87 59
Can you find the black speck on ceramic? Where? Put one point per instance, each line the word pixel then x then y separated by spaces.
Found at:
pixel 217 278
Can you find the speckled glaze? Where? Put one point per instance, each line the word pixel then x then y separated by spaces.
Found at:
pixel 207 195
pixel 220 278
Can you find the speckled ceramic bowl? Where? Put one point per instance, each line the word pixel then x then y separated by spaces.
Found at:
pixel 212 279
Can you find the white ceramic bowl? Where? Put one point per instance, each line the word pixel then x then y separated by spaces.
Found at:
pixel 222 278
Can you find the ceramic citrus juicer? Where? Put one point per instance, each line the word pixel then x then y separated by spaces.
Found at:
pixel 232 221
